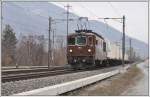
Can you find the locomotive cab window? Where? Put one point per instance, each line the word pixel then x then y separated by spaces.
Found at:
pixel 96 42
pixel 71 41
pixel 81 40
pixel 104 46
pixel 90 40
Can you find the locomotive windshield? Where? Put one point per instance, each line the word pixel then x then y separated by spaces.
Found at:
pixel 71 41
pixel 80 40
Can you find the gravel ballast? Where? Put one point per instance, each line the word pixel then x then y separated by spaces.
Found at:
pixel 10 88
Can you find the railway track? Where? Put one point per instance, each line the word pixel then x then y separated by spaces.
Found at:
pixel 31 70
pixel 16 75
pixel 30 74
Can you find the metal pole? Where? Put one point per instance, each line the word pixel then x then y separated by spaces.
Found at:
pixel 53 48
pixel 67 25
pixel 130 49
pixel 123 41
pixel 68 6
pixel 119 52
pixel 67 18
pixel 49 43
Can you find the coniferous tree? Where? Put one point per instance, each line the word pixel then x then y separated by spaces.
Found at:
pixel 9 42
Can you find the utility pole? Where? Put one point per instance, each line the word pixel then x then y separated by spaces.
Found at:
pixel 116 48
pixel 53 48
pixel 68 6
pixel 130 42
pixel 119 52
pixel 49 43
pixel 123 41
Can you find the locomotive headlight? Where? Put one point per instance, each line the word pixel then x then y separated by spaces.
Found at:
pixel 70 50
pixel 89 50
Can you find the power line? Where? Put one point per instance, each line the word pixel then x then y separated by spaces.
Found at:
pixel 114 9
pixel 29 27
pixel 90 12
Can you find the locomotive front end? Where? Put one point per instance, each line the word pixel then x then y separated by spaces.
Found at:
pixel 80 49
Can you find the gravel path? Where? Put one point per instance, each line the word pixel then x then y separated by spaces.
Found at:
pixel 141 86
pixel 10 88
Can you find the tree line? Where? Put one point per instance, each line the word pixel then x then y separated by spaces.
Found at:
pixel 30 50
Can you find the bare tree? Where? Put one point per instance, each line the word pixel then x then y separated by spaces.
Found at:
pixel 30 51
pixel 60 51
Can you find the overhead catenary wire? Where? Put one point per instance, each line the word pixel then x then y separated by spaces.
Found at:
pixel 114 9
pixel 29 28
pixel 90 12
pixel 76 18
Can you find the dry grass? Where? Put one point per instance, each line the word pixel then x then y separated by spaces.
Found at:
pixel 115 85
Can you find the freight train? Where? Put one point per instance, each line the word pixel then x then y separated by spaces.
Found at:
pixel 86 48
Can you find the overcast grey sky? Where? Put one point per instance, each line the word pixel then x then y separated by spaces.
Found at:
pixel 136 15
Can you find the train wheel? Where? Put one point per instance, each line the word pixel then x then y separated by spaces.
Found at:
pixel 107 63
pixel 74 67
pixel 83 66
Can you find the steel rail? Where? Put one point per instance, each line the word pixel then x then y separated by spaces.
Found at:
pixel 24 76
pixel 31 75
pixel 39 74
pixel 18 71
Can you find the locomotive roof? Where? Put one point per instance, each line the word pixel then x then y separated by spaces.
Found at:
pixel 86 32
